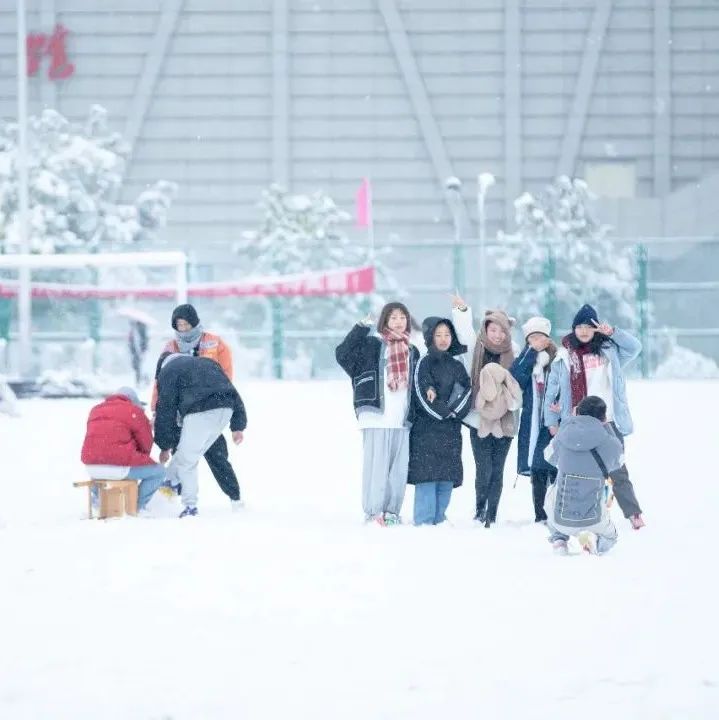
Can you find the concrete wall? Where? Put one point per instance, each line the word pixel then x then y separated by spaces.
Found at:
pixel 503 82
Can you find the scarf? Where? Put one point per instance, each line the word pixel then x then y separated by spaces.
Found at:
pixel 505 352
pixel 577 374
pixel 498 397
pixel 188 341
pixel 397 359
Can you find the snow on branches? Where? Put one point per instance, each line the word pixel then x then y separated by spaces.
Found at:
pixel 561 253
pixel 301 233
pixel 75 174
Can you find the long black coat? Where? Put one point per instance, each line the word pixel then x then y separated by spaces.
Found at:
pixel 435 441
pixel 522 372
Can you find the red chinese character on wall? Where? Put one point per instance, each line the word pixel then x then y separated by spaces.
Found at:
pixel 40 45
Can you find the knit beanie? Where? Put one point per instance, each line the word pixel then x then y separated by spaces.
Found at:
pixel 187 313
pixel 537 325
pixel 587 315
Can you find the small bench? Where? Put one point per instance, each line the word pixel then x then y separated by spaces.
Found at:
pixel 117 497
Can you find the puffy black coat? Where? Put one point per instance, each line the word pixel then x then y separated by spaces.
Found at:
pixel 435 441
pixel 188 385
pixel 360 355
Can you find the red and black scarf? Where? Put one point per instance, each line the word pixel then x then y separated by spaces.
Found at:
pixel 397 359
pixel 577 373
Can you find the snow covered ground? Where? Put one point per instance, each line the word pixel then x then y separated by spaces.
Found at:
pixel 295 609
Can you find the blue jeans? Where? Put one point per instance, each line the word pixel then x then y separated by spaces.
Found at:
pixel 150 477
pixel 431 500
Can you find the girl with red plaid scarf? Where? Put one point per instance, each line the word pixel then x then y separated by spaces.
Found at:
pixel 381 366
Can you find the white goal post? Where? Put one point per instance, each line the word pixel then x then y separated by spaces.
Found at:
pixel 175 259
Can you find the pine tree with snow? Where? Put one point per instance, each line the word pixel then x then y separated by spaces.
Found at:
pixel 75 175
pixel 304 233
pixel 560 256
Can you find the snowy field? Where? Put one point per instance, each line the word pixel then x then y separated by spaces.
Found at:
pixel 294 609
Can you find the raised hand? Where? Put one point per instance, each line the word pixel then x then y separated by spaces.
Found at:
pixel 458 301
pixel 604 328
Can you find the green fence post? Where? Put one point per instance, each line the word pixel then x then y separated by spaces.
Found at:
pixel 277 337
pixel 643 305
pixel 457 269
pixel 5 319
pixel 550 297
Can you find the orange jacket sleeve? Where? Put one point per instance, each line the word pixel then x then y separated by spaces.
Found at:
pixel 224 357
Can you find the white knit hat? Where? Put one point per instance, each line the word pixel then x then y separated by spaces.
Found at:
pixel 537 325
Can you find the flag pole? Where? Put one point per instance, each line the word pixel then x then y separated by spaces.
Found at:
pixel 370 224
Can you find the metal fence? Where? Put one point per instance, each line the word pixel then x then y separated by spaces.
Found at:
pixel 676 295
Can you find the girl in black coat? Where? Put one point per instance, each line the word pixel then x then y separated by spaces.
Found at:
pixel 381 366
pixel 442 397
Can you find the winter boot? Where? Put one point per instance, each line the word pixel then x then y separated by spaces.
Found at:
pixel 189 511
pixel 636 521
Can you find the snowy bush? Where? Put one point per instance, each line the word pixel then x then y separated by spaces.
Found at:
pixel 587 267
pixel 303 233
pixel 680 363
pixel 75 175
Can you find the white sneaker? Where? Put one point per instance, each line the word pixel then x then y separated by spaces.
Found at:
pixel 237 505
pixel 560 547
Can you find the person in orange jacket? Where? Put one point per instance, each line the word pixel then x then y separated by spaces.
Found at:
pixel 191 339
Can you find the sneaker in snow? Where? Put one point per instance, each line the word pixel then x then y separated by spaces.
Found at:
pixel 588 541
pixel 391 518
pixel 379 519
pixel 560 547
pixel 189 511
pixel 636 521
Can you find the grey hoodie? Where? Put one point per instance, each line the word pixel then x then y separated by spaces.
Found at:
pixel 580 483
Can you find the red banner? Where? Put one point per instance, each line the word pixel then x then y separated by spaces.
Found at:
pixel 343 281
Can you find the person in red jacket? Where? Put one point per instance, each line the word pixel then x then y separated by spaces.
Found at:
pixel 118 442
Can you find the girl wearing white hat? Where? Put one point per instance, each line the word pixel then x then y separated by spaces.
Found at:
pixel 531 370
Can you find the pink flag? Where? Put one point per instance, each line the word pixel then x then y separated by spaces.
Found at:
pixel 363 201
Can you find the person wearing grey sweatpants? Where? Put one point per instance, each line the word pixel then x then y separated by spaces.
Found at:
pixel 199 432
pixel 384 470
pixel 381 365
pixel 195 403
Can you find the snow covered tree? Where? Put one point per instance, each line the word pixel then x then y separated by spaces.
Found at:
pixel 303 233
pixel 75 176
pixel 560 257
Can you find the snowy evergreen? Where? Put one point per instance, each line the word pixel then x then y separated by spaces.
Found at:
pixel 75 177
pixel 304 233
pixel 559 236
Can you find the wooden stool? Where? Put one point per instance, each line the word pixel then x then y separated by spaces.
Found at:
pixel 117 497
